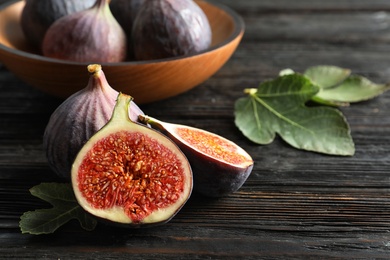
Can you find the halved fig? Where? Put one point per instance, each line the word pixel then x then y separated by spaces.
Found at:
pixel 220 166
pixel 131 174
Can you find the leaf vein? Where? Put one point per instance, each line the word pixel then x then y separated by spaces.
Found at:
pixel 279 115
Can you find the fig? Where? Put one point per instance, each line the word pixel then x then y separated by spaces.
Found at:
pixel 124 12
pixel 170 28
pixel 38 15
pixel 91 35
pixel 79 117
pixel 220 167
pixel 130 174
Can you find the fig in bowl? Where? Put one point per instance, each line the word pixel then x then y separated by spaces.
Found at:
pixel 146 80
pixel 38 15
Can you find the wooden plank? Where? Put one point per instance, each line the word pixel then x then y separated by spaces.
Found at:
pixel 295 205
pixel 283 6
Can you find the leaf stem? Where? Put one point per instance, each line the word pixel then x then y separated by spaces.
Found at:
pixel 250 91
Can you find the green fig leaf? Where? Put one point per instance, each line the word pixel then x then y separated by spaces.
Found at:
pixel 65 208
pixel 327 76
pixel 339 88
pixel 278 107
pixel 352 90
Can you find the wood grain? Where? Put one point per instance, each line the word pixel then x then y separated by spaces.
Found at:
pixel 295 204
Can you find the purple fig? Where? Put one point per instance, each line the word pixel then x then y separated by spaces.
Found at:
pixel 38 15
pixel 219 166
pixel 92 35
pixel 131 174
pixel 170 28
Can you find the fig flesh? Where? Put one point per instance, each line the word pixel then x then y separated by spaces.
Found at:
pixel 91 35
pixel 131 174
pixel 38 15
pixel 220 166
pixel 77 119
pixel 170 28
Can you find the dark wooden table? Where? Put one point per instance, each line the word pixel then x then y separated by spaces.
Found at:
pixel 295 204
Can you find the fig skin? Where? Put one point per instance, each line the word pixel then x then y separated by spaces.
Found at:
pixel 78 118
pixel 170 28
pixel 38 15
pixel 213 177
pixel 130 174
pixel 92 35
pixel 125 12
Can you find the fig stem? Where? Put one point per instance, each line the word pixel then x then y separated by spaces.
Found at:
pixel 150 120
pixel 147 119
pixel 144 118
pixel 121 109
pixel 250 91
pixel 93 68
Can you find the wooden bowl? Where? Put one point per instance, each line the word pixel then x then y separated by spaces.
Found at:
pixel 146 81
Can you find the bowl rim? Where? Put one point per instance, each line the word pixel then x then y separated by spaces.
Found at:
pixel 239 28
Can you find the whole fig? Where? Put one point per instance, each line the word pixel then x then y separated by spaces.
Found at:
pixel 38 15
pixel 77 119
pixel 131 174
pixel 125 12
pixel 91 35
pixel 169 28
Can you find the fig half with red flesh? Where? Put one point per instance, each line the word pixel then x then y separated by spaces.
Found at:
pixel 131 174
pixel 220 166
